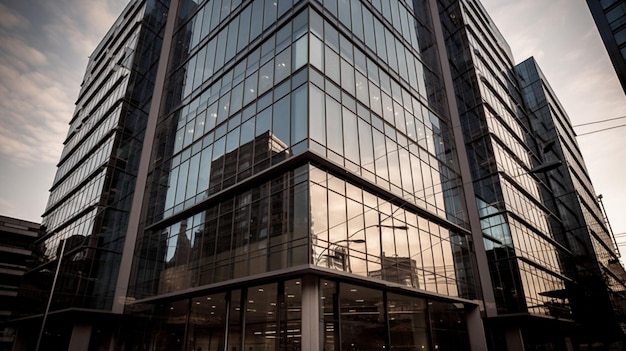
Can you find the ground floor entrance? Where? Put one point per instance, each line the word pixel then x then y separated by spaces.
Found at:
pixel 277 313
pixel 304 313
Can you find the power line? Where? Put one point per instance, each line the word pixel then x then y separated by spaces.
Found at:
pixel 602 130
pixel 596 122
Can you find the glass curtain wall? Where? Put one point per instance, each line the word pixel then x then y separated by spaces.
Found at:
pixel 217 209
pixel 270 317
pixel 286 129
pixel 307 216
pixel 581 224
pixel 86 218
pixel 521 246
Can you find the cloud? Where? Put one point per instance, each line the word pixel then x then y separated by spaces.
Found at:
pixel 34 114
pixel 10 19
pixel 33 101
pixel 80 25
pixel 40 74
pixel 22 51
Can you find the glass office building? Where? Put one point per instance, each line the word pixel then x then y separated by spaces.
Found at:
pixel 294 182
pixel 599 293
pixel 303 190
pixel 80 254
pixel 527 279
pixel 299 175
pixel 550 254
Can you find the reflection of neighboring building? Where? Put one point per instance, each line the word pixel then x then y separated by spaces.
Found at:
pixel 401 270
pixel 175 276
pixel 238 164
pixel 16 256
pixel 336 257
pixel 235 164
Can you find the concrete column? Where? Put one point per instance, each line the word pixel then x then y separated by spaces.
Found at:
pixel 480 252
pixel 310 314
pixel 81 334
pixel 514 339
pixel 132 232
pixel 476 329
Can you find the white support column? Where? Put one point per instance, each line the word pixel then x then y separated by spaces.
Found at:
pixel 310 314
pixel 132 232
pixel 81 334
pixel 476 330
pixel 514 339
pixel 482 263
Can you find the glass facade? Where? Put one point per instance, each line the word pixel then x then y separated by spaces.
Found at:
pixel 85 222
pixel 304 135
pixel 92 191
pixel 539 225
pixel 279 224
pixel 582 228
pixel 519 242
pixel 270 316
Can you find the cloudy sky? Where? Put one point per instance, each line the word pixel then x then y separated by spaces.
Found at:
pixel 44 47
pixel 43 53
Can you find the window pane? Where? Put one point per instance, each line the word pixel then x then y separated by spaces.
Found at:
pixel 300 52
pixel 171 328
pixel 298 114
pixel 234 321
pixel 317 53
pixel 330 331
pixel 207 323
pixel 261 315
pixel 281 118
pixel 317 115
pixel 362 318
pixel 266 74
pixel 407 323
pixel 334 128
pixel 283 65
pixel 291 316
pixel 351 137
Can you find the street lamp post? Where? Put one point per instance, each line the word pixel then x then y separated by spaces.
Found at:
pixel 362 241
pixel 380 238
pixel 54 283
